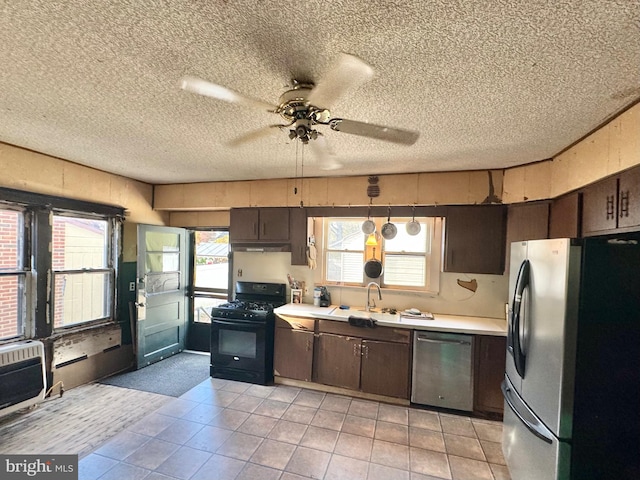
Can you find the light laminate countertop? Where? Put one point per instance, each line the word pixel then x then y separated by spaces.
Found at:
pixel 440 322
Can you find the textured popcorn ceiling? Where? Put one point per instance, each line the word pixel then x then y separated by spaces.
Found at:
pixel 487 83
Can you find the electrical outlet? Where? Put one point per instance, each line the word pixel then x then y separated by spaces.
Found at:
pixel 239 272
pixel 132 286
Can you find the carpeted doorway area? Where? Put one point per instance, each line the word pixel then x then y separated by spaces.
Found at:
pixel 172 376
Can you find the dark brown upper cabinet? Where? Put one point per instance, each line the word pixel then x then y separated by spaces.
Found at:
pixel 566 216
pixel 298 231
pixel 475 239
pixel 526 221
pixel 259 224
pixel 612 205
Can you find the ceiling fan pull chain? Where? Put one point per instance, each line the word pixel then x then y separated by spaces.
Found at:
pixel 302 177
pixel 295 184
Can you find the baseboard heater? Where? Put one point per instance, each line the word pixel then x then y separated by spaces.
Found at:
pixel 22 375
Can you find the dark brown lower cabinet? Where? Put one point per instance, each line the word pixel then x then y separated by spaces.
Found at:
pixel 338 361
pixel 374 360
pixel 293 356
pixel 294 344
pixel 385 369
pixel 490 358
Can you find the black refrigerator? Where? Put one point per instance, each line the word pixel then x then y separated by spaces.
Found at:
pixel 572 381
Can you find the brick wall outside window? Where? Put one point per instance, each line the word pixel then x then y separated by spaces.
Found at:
pixel 9 260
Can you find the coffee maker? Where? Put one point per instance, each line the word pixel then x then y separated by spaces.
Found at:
pixel 325 297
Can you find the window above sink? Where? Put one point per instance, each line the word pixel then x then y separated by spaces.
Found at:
pixel 410 262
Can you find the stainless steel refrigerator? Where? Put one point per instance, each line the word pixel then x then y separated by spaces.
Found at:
pixel 572 382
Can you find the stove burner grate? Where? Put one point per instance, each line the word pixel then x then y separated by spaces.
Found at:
pixel 245 305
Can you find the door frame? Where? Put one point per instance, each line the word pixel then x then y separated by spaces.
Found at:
pixel 199 333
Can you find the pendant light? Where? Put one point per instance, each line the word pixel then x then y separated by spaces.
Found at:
pixel 372 241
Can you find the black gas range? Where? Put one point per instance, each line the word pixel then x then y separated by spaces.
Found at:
pixel 242 333
pixel 247 311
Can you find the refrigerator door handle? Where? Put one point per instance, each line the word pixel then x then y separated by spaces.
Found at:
pixel 529 420
pixel 515 344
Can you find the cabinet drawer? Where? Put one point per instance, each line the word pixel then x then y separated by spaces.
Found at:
pixel 387 334
pixel 295 323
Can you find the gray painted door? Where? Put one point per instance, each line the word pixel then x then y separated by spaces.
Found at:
pixel 161 301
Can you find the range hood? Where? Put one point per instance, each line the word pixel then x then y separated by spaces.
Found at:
pixel 260 247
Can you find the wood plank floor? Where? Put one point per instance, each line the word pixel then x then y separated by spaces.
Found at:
pixel 79 422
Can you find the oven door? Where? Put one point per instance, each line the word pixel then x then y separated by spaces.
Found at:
pixel 238 345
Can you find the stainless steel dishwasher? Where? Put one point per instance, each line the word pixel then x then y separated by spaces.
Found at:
pixel 442 370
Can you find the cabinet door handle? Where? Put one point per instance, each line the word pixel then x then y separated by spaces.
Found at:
pixel 308 345
pixel 624 204
pixel 610 207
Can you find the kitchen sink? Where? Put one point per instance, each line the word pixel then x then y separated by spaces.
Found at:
pixel 360 312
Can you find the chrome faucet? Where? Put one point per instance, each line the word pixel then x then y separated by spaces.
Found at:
pixel 368 307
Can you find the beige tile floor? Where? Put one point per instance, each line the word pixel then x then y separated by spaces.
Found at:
pixel 225 430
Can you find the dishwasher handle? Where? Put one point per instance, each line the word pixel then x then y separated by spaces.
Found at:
pixel 422 338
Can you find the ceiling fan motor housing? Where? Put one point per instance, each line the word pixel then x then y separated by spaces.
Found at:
pixel 293 103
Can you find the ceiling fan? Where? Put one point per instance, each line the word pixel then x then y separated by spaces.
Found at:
pixel 306 106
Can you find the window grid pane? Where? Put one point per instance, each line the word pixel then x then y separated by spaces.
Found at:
pixel 202 308
pixel 403 242
pixel 12 308
pixel 79 243
pixel 345 267
pixel 212 260
pixel 12 283
pixel 345 235
pixel 405 270
pixel 11 240
pixel 211 272
pixel 81 297
pixel 344 255
pixel 83 273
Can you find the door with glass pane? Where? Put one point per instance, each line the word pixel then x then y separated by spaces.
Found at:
pixel 209 285
pixel 160 292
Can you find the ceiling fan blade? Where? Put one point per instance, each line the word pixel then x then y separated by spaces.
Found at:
pixel 348 72
pixel 254 135
pixel 208 89
pixel 324 156
pixel 380 132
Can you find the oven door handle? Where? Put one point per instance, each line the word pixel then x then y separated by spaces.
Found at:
pixel 238 323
